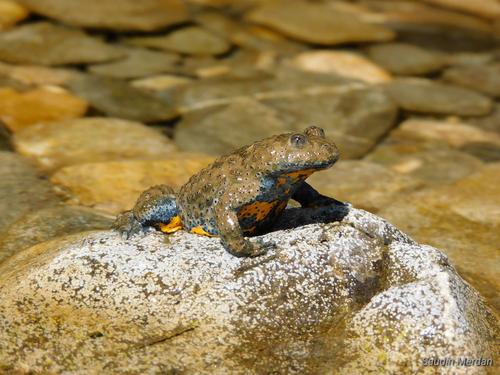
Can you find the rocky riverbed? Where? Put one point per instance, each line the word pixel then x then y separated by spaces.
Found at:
pixel 100 100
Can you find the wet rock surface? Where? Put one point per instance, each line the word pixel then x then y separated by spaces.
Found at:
pixel 187 305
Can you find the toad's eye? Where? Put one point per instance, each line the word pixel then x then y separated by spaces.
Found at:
pixel 298 140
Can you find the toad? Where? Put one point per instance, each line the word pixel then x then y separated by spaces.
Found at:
pixel 240 194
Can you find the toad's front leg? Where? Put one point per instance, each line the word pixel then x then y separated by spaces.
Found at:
pixel 231 234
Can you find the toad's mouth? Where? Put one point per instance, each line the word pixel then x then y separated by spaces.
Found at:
pixel 314 165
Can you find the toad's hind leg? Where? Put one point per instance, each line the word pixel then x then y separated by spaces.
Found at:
pixel 155 207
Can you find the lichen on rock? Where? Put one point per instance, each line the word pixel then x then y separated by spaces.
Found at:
pixel 338 295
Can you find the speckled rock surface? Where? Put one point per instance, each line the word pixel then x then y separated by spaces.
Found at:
pixel 323 301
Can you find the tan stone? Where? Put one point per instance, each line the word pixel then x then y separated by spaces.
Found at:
pixel 93 139
pixel 160 82
pixel 347 64
pixel 316 23
pixel 365 184
pixel 115 186
pixel 484 8
pixel 22 109
pixel 463 219
pixel 11 13
pixel 37 75
pixel 454 134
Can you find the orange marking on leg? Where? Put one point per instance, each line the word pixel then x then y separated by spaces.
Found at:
pixel 173 226
pixel 199 230
pixel 259 210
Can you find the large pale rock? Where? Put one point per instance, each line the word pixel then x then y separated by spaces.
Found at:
pixel 43 43
pixel 316 23
pixel 323 301
pixel 117 98
pixel 425 96
pixel 22 109
pixel 11 13
pixel 347 64
pixel 145 15
pixel 464 219
pixel 406 59
pixel 57 144
pixel 115 186
pixel 191 40
pixel 47 223
pixel 21 189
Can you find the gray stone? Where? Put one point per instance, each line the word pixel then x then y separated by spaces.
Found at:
pixel 53 145
pixel 324 300
pixel 491 122
pixel 43 43
pixel 47 223
pixel 117 98
pixel 484 151
pixel 191 40
pixel 21 190
pixel 139 62
pixel 425 96
pixel 317 23
pixel 406 59
pixel 354 115
pixel 146 15
pixel 482 78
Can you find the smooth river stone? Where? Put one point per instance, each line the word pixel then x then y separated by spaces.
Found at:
pixel 11 13
pixel 35 75
pixel 347 64
pixel 367 185
pixel 139 62
pixel 316 23
pixel 21 189
pixel 425 96
pixel 115 186
pixel 22 109
pixel 482 78
pixel 463 218
pixel 191 40
pixel 452 133
pixel 430 162
pixel 117 98
pixel 483 8
pixel 57 144
pixel 43 43
pixel 47 223
pixel 406 59
pixel 160 83
pixel 143 15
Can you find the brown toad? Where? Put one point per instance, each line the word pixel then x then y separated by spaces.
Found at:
pixel 241 193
